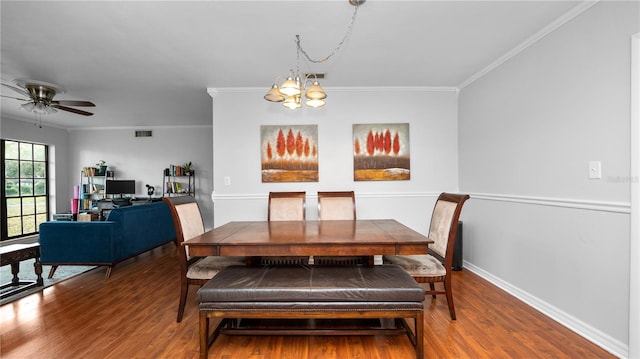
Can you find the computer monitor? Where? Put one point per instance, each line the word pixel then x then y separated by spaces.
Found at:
pixel 120 187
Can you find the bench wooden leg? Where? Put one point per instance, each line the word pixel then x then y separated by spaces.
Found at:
pixel 204 335
pixel 420 335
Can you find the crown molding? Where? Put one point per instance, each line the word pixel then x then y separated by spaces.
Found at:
pixel 153 127
pixel 568 16
pixel 215 91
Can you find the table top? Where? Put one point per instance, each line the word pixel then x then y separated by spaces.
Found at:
pixel 304 238
pixel 17 247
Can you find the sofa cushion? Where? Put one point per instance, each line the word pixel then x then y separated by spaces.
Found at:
pixel 143 227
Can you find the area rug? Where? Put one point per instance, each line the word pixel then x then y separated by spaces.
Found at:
pixel 27 273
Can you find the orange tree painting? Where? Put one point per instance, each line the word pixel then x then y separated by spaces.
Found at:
pixel 381 152
pixel 289 153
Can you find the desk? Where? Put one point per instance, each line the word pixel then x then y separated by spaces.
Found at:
pixel 309 238
pixel 15 253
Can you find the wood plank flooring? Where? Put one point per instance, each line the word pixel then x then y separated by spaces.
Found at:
pixel 132 315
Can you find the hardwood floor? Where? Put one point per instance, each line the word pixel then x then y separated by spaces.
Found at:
pixel 132 315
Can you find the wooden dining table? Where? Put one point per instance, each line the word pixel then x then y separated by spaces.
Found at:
pixel 363 237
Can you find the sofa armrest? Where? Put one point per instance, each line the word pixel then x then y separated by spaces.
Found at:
pixel 79 242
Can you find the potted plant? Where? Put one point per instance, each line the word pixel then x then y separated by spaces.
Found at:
pixel 102 168
pixel 187 168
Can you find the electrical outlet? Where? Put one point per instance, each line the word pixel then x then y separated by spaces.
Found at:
pixel 227 181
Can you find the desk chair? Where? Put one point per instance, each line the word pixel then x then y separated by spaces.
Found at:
pixel 435 267
pixel 333 206
pixel 188 223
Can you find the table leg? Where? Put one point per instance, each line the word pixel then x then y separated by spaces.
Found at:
pixel 15 268
pixel 38 269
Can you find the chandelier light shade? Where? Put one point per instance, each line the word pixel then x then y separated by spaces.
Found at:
pixel 315 103
pixel 315 92
pixel 291 87
pixel 292 102
pixel 274 94
pixel 290 91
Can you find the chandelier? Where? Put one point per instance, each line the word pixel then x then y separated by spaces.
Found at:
pixel 297 84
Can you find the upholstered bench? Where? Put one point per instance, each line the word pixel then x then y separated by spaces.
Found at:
pixel 310 292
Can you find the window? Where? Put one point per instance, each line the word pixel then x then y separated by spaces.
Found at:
pixel 25 192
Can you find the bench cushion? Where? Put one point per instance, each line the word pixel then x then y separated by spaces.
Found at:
pixel 272 283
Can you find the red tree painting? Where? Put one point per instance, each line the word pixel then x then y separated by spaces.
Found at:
pixel 296 155
pixel 386 156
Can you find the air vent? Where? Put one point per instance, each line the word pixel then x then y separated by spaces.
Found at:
pixel 144 133
pixel 316 75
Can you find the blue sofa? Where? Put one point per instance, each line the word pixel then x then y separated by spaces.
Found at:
pixel 127 232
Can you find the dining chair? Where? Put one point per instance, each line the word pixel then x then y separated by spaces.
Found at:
pixel 188 223
pixel 435 266
pixel 334 206
pixel 285 206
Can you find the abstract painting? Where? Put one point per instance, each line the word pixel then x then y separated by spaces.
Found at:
pixel 381 152
pixel 289 153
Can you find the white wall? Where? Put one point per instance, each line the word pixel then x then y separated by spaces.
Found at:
pixel 58 141
pixel 634 257
pixel 431 113
pixel 536 224
pixel 143 159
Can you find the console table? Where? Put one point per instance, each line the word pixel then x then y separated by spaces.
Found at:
pixel 13 254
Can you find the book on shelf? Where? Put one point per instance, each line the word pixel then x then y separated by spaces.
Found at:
pixel 175 170
pixel 174 187
pixel 88 171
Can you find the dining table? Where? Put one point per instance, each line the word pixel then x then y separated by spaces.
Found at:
pixel 362 237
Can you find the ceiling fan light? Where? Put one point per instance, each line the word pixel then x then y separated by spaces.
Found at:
pixel 50 109
pixel 29 106
pixel 292 102
pixel 315 103
pixel 290 87
pixel 40 108
pixel 274 94
pixel 315 92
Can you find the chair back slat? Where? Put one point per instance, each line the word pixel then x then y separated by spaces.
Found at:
pixel 336 206
pixel 286 206
pixel 440 225
pixel 444 225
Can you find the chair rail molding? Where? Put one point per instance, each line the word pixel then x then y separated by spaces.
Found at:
pixel 602 206
pixel 313 195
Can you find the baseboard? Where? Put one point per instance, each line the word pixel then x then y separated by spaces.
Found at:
pixel 581 328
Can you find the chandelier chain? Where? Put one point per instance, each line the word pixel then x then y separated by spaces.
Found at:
pixel 337 48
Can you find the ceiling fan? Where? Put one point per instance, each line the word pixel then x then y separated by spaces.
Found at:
pixel 39 98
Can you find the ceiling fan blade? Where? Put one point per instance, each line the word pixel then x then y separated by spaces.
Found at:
pixel 17 89
pixel 74 103
pixel 74 110
pixel 16 98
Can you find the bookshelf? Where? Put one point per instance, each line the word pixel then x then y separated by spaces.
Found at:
pixel 178 182
pixel 92 187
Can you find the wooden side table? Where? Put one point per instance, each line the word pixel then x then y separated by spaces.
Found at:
pixel 15 253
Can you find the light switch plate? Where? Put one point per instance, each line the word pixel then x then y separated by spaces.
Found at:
pixel 227 181
pixel 595 170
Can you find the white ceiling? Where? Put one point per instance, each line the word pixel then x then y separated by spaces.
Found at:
pixel 149 63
